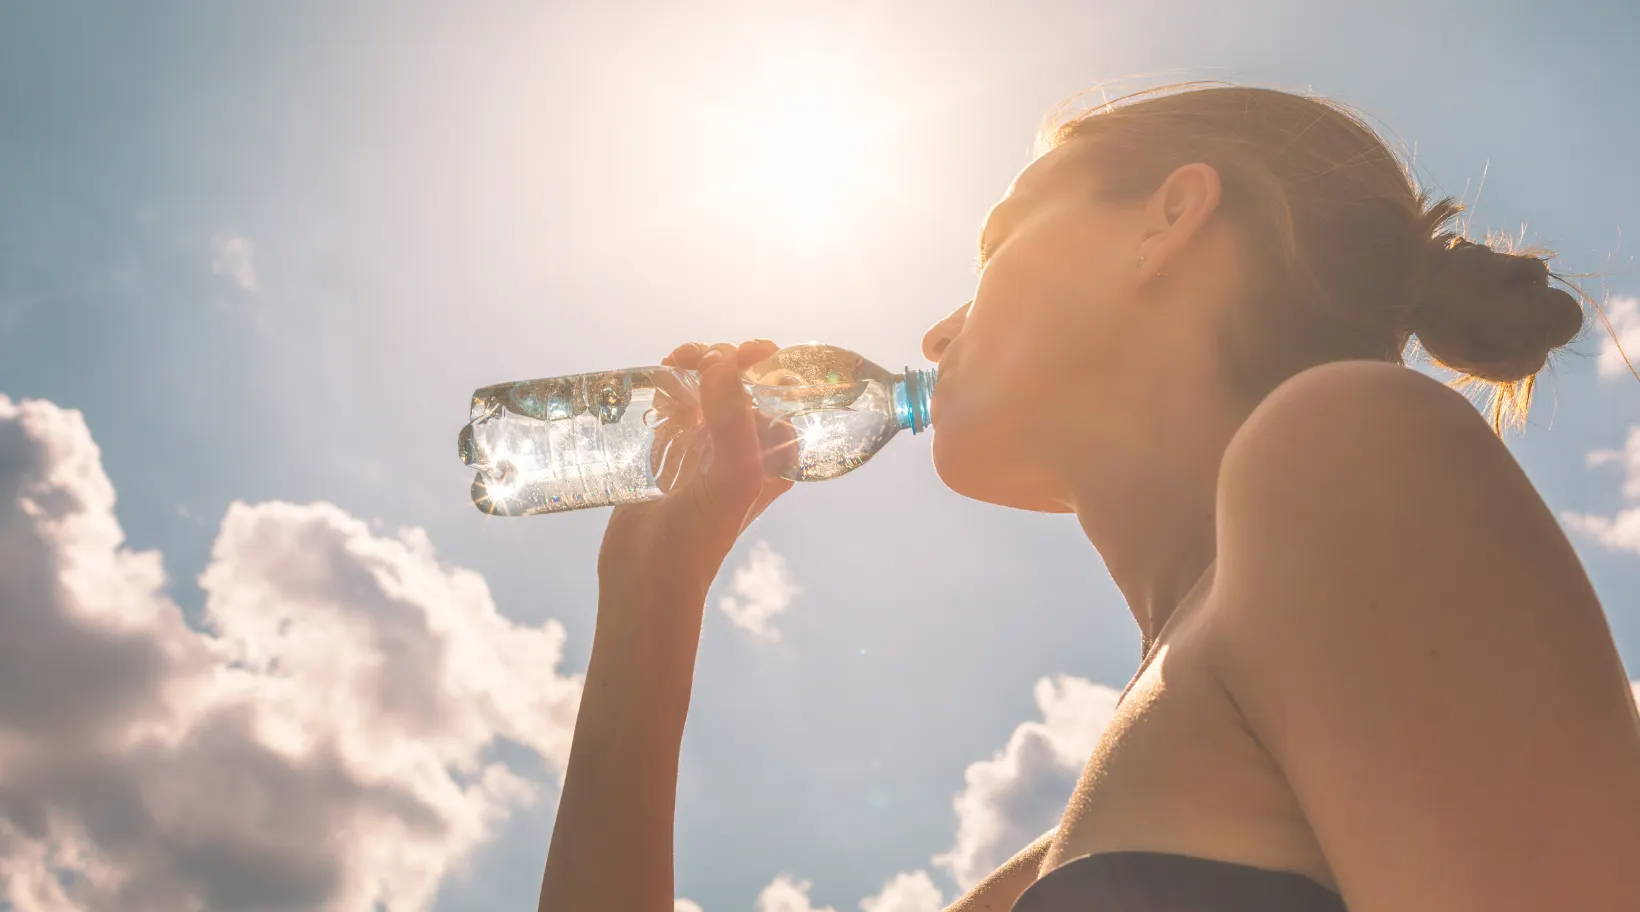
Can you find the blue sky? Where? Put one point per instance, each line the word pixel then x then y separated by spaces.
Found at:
pixel 267 251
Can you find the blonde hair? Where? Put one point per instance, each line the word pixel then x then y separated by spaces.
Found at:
pixel 1351 259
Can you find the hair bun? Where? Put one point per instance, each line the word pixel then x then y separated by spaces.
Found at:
pixel 1488 313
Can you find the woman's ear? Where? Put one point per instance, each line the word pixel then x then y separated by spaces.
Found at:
pixel 1175 215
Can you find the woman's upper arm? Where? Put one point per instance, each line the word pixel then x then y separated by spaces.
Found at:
pixel 998 891
pixel 1412 638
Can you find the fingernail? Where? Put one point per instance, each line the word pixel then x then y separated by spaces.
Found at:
pixel 710 358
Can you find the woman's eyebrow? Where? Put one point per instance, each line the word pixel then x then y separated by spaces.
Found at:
pixel 986 245
pixel 1023 185
pixel 984 251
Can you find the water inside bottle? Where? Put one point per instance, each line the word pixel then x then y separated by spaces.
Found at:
pixel 564 443
pixel 627 436
pixel 838 407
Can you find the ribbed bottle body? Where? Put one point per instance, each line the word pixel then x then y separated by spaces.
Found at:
pixel 631 435
pixel 583 440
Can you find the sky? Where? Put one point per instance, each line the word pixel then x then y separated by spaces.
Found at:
pixel 261 651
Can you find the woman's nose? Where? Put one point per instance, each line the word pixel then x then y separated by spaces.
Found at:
pixel 940 334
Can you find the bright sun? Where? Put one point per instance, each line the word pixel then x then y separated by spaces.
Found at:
pixel 793 144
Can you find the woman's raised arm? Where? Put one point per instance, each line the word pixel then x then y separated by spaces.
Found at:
pixel 612 841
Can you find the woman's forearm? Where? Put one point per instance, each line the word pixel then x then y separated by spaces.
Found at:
pixel 612 841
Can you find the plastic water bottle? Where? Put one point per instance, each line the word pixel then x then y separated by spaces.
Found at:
pixel 627 436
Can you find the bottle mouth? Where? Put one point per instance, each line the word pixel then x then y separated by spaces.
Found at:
pixel 914 398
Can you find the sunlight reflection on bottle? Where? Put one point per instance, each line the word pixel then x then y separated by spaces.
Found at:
pixel 837 441
pixel 628 436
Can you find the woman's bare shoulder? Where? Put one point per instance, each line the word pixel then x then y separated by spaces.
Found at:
pixel 1401 622
pixel 1360 467
pixel 1366 400
pixel 1361 437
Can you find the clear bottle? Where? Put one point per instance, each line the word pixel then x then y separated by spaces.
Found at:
pixel 627 436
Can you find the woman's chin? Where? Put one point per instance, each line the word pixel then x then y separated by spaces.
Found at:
pixel 967 469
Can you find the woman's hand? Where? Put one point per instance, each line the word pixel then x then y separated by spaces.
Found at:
pixel 715 486
pixel 612 842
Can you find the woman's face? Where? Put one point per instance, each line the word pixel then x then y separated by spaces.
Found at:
pixel 1021 364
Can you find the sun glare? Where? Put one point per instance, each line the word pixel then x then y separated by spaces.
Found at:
pixel 793 144
pixel 814 433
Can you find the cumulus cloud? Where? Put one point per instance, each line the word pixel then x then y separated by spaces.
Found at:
pixel 1626 459
pixel 906 892
pixel 1624 314
pixel 323 742
pixel 762 589
pixel 684 905
pixel 1621 530
pixel 1010 799
pixel 233 257
pixel 788 895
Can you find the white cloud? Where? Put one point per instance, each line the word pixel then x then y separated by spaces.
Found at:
pixel 788 895
pixel 1624 314
pixel 1010 799
pixel 906 892
pixel 685 905
pixel 233 257
pixel 1627 458
pixel 323 745
pixel 763 589
pixel 1621 530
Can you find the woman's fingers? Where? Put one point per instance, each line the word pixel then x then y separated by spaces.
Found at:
pixel 686 356
pixel 719 353
pixel 737 441
pixel 736 468
pixel 756 350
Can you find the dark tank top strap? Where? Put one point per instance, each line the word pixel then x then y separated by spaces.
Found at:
pixel 1134 881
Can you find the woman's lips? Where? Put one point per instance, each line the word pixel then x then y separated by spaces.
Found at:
pixel 941 386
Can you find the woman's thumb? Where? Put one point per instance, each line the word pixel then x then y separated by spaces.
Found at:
pixel 736 469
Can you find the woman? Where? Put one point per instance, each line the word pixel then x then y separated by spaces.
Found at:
pixel 1374 672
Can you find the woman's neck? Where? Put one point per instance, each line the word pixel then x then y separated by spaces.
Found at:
pixel 1147 501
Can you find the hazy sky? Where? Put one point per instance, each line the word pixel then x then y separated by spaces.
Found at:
pixel 261 651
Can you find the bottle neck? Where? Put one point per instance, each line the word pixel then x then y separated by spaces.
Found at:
pixel 913 392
